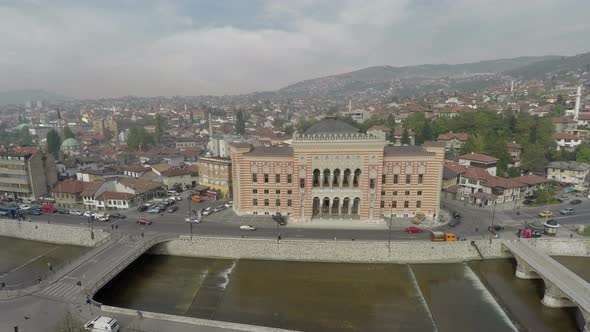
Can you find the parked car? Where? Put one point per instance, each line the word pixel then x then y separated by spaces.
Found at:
pixel 247 228
pixel 528 201
pixel 76 212
pixel 413 229
pixel 192 219
pixel 567 212
pixel 576 201
pixel 545 213
pixel 118 215
pixel 229 204
pixel 207 211
pixel 24 207
pixel 495 228
pixel 172 209
pixel 154 210
pixel 455 222
pixel 62 211
pixel 142 208
pixel 143 222
pixel 35 211
pixel 280 219
pixel 219 208
pixel 88 214
pixel 102 323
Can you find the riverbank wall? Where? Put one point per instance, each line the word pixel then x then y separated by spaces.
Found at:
pixel 358 251
pixel 51 233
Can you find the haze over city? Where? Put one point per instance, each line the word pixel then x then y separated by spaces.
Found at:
pixel 88 49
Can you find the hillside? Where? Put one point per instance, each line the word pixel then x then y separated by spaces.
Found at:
pixel 549 67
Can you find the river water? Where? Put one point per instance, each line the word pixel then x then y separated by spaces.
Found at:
pixel 24 260
pixel 476 296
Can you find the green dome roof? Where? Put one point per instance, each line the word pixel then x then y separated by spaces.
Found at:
pixel 70 142
pixel 22 125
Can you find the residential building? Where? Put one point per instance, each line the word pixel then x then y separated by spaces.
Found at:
pixel 105 127
pixel 179 177
pixel 333 171
pixel 216 173
pixel 26 172
pixel 567 141
pixel 531 183
pixel 515 151
pixel 399 133
pixel 186 142
pixel 453 141
pixel 564 124
pixel 68 193
pixel 480 160
pixel 568 172
pixel 218 145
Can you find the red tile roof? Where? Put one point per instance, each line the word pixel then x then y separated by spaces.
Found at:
pixel 563 120
pixel 480 157
pixel 584 116
pixel 560 136
pixel 114 195
pixel 75 186
pixel 476 173
pixel 455 166
pixel 450 136
pixel 531 179
pixel 513 145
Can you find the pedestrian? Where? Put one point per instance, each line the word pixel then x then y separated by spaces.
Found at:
pixel 116 226
pixel 112 226
pixel 142 234
pixel 571 235
pixel 476 229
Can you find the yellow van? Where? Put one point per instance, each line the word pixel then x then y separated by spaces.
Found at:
pixel 196 199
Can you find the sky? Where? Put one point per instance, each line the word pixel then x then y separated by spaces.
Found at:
pixel 112 48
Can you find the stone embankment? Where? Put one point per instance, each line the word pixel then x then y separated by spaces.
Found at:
pixel 52 233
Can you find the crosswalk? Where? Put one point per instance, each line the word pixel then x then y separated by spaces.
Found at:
pixel 127 240
pixel 67 290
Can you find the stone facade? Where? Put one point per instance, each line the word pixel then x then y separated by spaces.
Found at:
pixel 27 173
pixel 216 173
pixel 343 174
pixel 52 233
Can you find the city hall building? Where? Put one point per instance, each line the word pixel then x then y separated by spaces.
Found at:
pixel 333 171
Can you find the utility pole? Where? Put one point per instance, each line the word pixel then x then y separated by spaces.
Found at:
pixel 493 216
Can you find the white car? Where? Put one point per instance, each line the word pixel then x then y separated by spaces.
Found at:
pixel 207 211
pixel 178 198
pixel 75 212
pixel 24 207
pixel 193 219
pixel 102 323
pixel 247 228
pixel 87 214
pixel 229 204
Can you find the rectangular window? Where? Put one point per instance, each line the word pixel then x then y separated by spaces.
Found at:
pixel 407 193
pixel 420 178
pixel 265 178
pixel 372 183
pixel 395 179
pixel 394 204
pixel 278 178
pixel 302 183
pixel 255 202
pixel 395 193
pixel 382 192
pixel 266 202
pixel 418 204
pixel 254 177
pixel 289 178
pixel 419 192
pixel 278 192
pixel 255 191
pixel 382 204
pixel 408 178
pixel 383 179
pixel 266 191
pixel 406 204
pixel 289 202
pixel 289 192
pixel 278 202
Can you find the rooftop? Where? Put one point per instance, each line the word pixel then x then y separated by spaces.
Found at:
pixel 271 150
pixel 569 165
pixel 331 126
pixel 480 157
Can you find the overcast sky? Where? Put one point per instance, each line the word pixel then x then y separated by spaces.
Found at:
pixel 104 48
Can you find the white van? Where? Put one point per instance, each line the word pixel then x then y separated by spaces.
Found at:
pixel 102 324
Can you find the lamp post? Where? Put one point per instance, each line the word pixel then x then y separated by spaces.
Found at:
pixel 493 216
pixel 389 233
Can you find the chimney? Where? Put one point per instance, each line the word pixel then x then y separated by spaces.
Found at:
pixel 577 107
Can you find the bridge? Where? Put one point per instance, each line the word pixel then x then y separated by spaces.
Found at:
pixel 563 288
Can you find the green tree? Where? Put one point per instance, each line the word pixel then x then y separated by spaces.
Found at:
pixel 160 124
pixel 304 124
pixel 474 143
pixel 240 123
pixel 23 137
pixel 501 152
pixel 534 158
pixel 583 154
pixel 53 142
pixel 405 137
pixel 425 133
pixel 546 195
pixel 68 133
pixel 138 139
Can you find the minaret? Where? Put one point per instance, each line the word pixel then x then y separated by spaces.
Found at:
pixel 511 86
pixel 210 126
pixel 577 107
pixel 349 105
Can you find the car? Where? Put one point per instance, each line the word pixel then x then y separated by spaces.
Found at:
pixel 172 209
pixel 192 219
pixel 207 211
pixel 219 208
pixel 24 207
pixel 154 210
pixel 88 214
pixel 279 219
pixel 7 199
pixel 178 198
pixel 567 212
pixel 75 212
pixel 142 208
pixel 102 323
pixel 62 211
pixel 118 215
pixel 413 229
pixel 455 222
pixel 143 222
pixel 456 214
pixel 229 204
pixel 495 228
pixel 528 201
pixel 545 213
pixel 247 228
pixel 35 211
pixel 576 201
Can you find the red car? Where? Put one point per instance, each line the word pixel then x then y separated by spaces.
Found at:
pixel 143 222
pixel 413 229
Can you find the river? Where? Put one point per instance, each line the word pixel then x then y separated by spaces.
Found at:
pixel 476 296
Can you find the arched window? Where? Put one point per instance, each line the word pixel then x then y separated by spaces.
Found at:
pixel 357 178
pixel 335 205
pixel 345 205
pixel 346 180
pixel 316 177
pixel 316 206
pixel 326 179
pixel 326 205
pixel 336 181
pixel 355 205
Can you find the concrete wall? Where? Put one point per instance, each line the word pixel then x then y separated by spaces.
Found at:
pixel 53 233
pixel 319 250
pixel 359 251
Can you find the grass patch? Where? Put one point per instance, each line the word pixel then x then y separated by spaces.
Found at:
pixel 586 231
pixel 551 202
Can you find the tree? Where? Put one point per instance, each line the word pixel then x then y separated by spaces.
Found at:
pixel 304 124
pixel 160 126
pixel 583 154
pixel 425 133
pixel 405 137
pixel 534 158
pixel 474 143
pixel 23 137
pixel 546 195
pixel 138 139
pixel 53 142
pixel 68 133
pixel 240 123
pixel 501 152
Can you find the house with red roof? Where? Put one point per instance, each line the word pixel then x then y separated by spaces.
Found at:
pixel 453 141
pixel 399 133
pixel 480 160
pixel 567 141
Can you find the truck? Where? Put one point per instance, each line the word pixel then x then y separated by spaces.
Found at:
pixel 443 237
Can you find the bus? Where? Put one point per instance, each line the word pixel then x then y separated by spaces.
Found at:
pixel 211 193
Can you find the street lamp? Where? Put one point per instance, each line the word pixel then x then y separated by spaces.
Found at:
pixel 493 216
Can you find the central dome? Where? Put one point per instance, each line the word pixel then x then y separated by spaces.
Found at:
pixel 70 142
pixel 331 126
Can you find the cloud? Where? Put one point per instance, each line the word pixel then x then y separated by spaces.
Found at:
pixel 162 48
